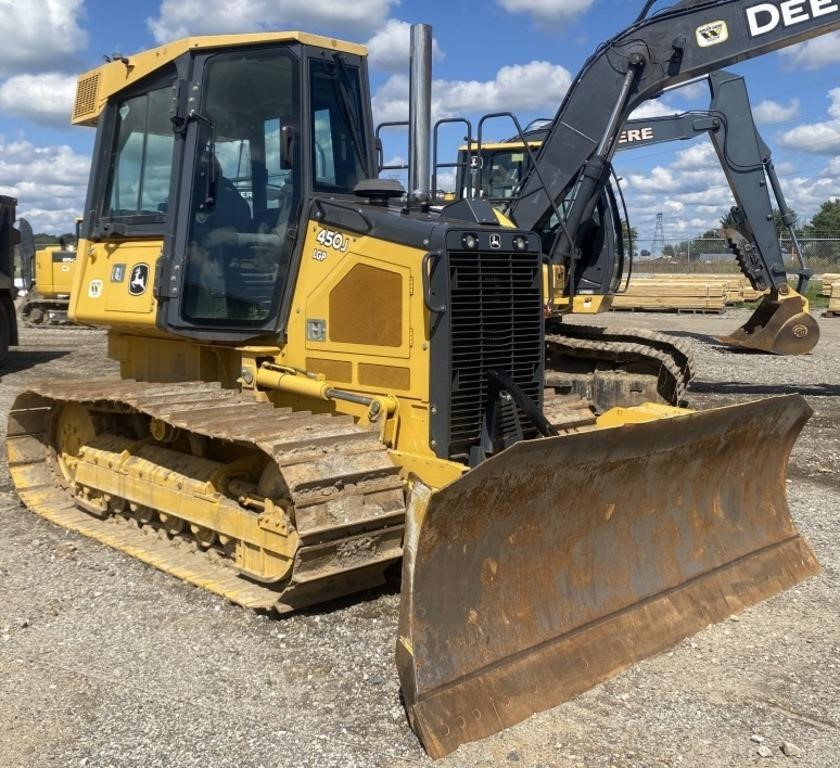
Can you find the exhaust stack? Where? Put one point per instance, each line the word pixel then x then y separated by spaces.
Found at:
pixel 419 113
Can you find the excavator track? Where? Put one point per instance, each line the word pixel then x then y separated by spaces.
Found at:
pixel 618 367
pixel 269 507
pixel 38 312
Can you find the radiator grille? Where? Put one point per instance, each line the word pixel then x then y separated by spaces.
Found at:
pixel 496 323
pixel 86 92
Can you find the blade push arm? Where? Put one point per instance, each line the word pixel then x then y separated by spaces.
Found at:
pixel 688 40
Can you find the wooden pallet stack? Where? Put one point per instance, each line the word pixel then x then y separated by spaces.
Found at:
pixel 734 285
pixel 675 293
pixel 833 299
pixel 828 279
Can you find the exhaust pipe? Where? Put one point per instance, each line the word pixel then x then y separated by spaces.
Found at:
pixel 419 113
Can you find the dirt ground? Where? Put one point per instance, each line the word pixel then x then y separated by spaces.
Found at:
pixel 107 662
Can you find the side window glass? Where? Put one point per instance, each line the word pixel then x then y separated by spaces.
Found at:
pixel 141 161
pixel 339 150
pixel 324 159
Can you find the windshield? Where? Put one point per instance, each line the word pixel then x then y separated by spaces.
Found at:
pixel 495 174
pixel 141 161
pixel 245 189
pixel 339 153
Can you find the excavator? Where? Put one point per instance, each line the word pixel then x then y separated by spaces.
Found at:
pixel 781 324
pixel 323 379
pixel 48 294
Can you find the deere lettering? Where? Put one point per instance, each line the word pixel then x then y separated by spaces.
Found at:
pixel 635 134
pixel 766 17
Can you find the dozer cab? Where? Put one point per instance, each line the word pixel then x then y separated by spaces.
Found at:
pixel 317 383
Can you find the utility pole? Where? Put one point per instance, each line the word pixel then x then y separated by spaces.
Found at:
pixel 658 244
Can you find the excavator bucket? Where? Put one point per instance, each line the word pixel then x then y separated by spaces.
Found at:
pixel 562 561
pixel 780 324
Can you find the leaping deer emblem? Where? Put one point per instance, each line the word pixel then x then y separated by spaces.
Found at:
pixel 139 276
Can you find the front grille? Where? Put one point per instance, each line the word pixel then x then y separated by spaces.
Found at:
pixel 495 319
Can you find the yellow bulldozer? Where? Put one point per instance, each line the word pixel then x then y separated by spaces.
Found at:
pixel 322 378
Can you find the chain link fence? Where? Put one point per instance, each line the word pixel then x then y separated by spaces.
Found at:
pixel 712 255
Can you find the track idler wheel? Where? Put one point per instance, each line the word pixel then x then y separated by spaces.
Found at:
pixel 73 428
pixel 780 325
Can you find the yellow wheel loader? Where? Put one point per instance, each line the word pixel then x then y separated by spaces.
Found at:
pixel 317 383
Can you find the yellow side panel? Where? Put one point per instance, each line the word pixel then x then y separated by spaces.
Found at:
pixel 355 320
pixel 160 359
pixel 114 283
pixel 358 310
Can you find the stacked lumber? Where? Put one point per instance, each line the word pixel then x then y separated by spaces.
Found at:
pixel 834 299
pixel 670 292
pixel 738 288
pixel 828 279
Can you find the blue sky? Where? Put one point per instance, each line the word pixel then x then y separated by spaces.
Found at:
pixel 498 54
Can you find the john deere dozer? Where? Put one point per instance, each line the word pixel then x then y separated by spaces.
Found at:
pixel 317 383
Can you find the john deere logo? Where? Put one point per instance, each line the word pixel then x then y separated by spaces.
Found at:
pixel 712 33
pixel 495 241
pixel 139 279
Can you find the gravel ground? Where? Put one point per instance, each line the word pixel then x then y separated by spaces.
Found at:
pixel 107 662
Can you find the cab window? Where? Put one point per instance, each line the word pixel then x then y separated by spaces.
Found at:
pixel 141 161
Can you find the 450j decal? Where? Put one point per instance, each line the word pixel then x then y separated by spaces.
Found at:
pixel 329 239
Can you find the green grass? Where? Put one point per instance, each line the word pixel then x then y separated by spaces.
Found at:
pixel 813 295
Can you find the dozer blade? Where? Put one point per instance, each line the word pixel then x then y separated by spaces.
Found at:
pixel 563 561
pixel 780 325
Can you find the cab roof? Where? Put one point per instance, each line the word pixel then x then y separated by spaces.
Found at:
pixel 96 86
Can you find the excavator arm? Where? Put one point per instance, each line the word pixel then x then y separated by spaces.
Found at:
pixel 687 40
pixel 748 166
pixel 781 323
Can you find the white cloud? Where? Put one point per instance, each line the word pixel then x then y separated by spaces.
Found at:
pixel 44 98
pixel 39 32
pixel 48 182
pixel 547 10
pixel 769 111
pixel 821 138
pixel 692 91
pixel 692 193
pixel 815 53
pixel 388 49
pixel 517 87
pixel 535 85
pixel 179 18
pixel 390 102
pixel 652 108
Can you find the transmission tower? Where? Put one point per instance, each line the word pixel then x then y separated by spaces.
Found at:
pixel 658 244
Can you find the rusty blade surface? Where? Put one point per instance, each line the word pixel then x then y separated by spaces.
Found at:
pixel 560 562
pixel 779 325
